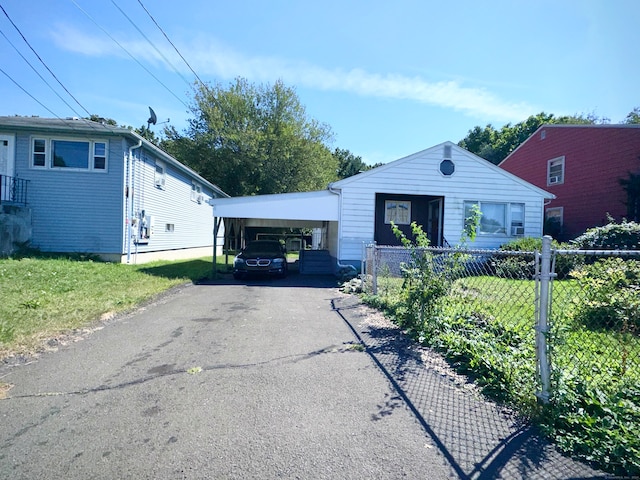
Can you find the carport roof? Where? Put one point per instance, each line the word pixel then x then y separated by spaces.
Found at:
pixel 320 205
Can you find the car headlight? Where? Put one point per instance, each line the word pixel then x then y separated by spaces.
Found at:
pixel 278 261
pixel 238 261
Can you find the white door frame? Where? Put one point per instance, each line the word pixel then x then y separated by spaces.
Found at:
pixel 7 155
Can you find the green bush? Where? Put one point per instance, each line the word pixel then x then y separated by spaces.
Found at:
pixel 611 295
pixel 614 236
pixel 522 265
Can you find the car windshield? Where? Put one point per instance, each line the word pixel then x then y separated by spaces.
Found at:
pixel 263 248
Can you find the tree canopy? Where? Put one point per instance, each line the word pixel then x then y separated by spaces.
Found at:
pixel 495 145
pixel 250 140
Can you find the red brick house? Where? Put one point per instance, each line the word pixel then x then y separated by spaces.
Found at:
pixel 582 165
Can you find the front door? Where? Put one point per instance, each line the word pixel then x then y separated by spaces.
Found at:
pixel 434 222
pixel 7 164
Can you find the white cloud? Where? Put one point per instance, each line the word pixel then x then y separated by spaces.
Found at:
pixel 211 58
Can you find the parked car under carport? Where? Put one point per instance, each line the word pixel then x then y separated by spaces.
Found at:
pixel 261 257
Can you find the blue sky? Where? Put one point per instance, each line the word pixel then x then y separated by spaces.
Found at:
pixel 389 78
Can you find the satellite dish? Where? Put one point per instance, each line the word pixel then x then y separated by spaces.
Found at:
pixel 153 119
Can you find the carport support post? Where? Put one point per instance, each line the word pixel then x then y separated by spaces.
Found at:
pixel 216 228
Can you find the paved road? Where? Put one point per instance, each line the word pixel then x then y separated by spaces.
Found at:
pixel 262 380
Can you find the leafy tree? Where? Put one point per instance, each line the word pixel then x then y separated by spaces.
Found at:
pixel 633 117
pixel 495 145
pixel 252 140
pixel 106 121
pixel 148 134
pixel 349 164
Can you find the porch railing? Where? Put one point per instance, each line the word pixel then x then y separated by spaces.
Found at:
pixel 13 190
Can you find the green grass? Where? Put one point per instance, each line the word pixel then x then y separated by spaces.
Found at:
pixel 45 296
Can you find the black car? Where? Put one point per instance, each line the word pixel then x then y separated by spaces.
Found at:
pixel 266 257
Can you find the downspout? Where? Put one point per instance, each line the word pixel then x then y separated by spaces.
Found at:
pixel 341 269
pixel 130 197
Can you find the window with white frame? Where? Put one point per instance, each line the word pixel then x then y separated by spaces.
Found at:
pixel 497 218
pixel 160 175
pixel 397 211
pixel 196 192
pixel 555 171
pixel 69 154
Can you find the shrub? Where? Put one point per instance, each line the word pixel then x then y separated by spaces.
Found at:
pixel 613 236
pixel 522 265
pixel 611 295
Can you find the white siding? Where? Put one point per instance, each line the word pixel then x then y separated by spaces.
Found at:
pixel 474 180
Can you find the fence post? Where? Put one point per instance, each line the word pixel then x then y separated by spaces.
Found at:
pixel 374 269
pixel 542 320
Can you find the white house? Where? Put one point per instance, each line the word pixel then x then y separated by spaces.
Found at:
pixel 436 188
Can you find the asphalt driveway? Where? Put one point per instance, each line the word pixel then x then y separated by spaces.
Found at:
pixel 262 380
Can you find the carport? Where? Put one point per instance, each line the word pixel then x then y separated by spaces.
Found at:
pixel 318 210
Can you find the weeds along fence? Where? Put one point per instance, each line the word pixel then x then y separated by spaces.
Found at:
pixel 558 328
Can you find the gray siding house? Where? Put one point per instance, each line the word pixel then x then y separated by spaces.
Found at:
pixel 436 188
pixel 104 190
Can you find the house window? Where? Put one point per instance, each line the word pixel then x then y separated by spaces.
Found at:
pixel 554 215
pixel 498 218
pixel 169 227
pixel 447 168
pixel 39 152
pixel 160 176
pixel 69 154
pixel 196 193
pixel 398 212
pixel 555 171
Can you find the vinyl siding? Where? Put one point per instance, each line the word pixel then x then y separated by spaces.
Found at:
pixel 73 211
pixel 192 222
pixel 474 180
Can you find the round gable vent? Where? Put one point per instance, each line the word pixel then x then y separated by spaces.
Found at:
pixel 447 167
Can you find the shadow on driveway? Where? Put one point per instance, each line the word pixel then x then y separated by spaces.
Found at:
pixel 478 438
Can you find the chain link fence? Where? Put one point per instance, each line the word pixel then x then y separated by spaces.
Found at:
pixel 565 334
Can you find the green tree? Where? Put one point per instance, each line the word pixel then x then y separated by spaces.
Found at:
pixel 148 134
pixel 633 117
pixel 495 145
pixel 348 163
pixel 251 140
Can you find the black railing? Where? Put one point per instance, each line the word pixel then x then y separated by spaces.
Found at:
pixel 13 190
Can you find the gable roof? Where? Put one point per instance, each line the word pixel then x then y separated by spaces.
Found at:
pixel 438 148
pixel 84 127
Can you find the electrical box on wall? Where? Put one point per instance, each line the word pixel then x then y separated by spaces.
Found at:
pixel 143 227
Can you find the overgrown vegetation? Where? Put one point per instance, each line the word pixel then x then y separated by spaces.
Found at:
pixel 43 296
pixel 613 236
pixel 483 322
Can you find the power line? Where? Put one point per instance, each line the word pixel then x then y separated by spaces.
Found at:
pixel 42 61
pixel 25 91
pixel 151 43
pixel 169 40
pixel 38 73
pixel 128 53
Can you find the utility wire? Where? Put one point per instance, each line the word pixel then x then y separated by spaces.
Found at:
pixel 42 61
pixel 169 40
pixel 128 53
pixel 39 75
pixel 152 45
pixel 25 91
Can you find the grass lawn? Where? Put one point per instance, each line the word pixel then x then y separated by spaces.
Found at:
pixel 43 297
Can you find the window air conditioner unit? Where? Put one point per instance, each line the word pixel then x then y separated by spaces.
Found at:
pixel 200 198
pixel 517 231
pixel 553 180
pixel 160 182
